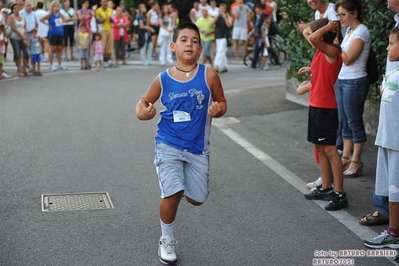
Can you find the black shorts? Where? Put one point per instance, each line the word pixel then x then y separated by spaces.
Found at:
pixel 55 40
pixel 322 125
pixel 69 35
pixel 156 28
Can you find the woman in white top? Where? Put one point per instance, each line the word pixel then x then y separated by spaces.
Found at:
pixel 18 39
pixel 213 10
pixel 195 12
pixel 69 28
pixel 167 25
pixel 153 21
pixel 353 84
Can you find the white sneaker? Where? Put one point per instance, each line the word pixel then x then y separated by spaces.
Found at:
pixel 266 67
pixel 53 68
pixel 314 184
pixel 5 75
pixel 166 251
pixel 62 67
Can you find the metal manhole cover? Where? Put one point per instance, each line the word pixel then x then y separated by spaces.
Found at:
pixel 76 201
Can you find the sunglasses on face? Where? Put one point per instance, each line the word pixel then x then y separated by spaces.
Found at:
pixel 342 15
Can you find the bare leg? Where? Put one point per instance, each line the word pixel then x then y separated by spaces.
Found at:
pixel 58 50
pixel 235 46
pixel 71 51
pixel 244 46
pixel 394 215
pixel 51 55
pixel 356 157
pixel 168 207
pixel 336 167
pixel 325 167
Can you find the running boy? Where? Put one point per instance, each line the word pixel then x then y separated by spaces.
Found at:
pixel 35 51
pixel 387 174
pixel 83 47
pixel 192 95
pixel 323 114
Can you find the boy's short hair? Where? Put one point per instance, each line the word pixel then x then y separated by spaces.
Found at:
pixel 83 26
pixel 260 6
pixel 330 36
pixel 186 25
pixel 33 30
pixel 395 31
pixel 264 16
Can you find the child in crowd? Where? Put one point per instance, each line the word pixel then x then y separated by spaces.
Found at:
pixel 83 43
pixel 98 51
pixel 3 39
pixel 35 51
pixel 387 174
pixel 182 140
pixel 265 38
pixel 323 114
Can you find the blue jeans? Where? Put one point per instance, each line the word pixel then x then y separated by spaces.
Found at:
pixel 146 51
pixel 382 204
pixel 18 46
pixel 351 96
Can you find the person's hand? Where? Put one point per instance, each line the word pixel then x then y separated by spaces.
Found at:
pixel 145 110
pixel 214 109
pixel 333 25
pixel 301 26
pixel 303 70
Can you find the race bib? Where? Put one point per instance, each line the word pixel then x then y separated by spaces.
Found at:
pixel 58 22
pixel 180 116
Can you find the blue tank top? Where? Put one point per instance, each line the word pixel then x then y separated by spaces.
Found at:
pixel 185 123
pixel 56 25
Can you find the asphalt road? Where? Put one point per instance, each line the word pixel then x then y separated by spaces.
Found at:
pixel 74 132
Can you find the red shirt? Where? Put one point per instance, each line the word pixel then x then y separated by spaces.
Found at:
pixel 324 76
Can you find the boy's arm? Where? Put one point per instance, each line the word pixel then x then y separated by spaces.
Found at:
pixel 219 105
pixel 316 38
pixel 303 88
pixel 145 110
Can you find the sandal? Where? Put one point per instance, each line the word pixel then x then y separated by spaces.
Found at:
pixel 345 163
pixel 356 173
pixel 374 219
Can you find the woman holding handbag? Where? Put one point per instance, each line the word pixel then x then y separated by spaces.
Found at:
pixel 121 36
pixel 166 24
pixel 223 23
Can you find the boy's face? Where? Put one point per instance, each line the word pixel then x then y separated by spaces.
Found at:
pixel 393 48
pixel 34 34
pixel 187 46
pixel 83 29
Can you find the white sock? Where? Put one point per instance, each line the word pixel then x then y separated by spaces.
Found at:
pixel 168 229
pixel 46 55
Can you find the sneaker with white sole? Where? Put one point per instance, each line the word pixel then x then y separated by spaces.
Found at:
pixel 5 75
pixel 314 184
pixel 384 240
pixel 62 67
pixel 53 68
pixel 166 251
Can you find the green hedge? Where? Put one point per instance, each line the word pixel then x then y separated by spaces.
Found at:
pixel 376 16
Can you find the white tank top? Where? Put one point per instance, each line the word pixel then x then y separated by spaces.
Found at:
pixel 20 25
pixel 153 17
